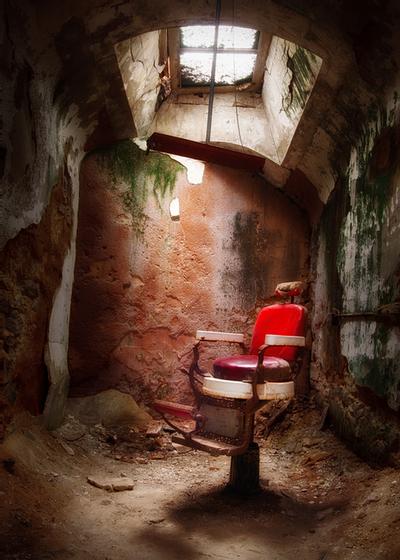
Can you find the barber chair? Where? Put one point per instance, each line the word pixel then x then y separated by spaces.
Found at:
pixel 227 398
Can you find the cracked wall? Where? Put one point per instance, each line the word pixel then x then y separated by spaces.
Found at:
pixel 140 294
pixel 40 150
pixel 31 271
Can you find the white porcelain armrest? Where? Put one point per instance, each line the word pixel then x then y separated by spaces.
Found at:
pixel 220 336
pixel 284 340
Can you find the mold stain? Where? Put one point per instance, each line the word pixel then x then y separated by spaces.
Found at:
pixel 249 243
pixel 366 243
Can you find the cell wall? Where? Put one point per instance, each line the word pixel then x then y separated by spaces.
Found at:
pixel 357 349
pixel 144 284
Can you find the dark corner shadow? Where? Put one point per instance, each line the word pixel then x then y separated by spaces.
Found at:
pixel 223 501
pixel 220 514
pixel 20 538
pixel 167 545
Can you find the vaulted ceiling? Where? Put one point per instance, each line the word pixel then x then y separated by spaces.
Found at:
pixel 354 39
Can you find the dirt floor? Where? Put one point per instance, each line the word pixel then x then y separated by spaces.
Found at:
pixel 318 501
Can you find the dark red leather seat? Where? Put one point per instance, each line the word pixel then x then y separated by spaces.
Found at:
pixel 239 368
pixel 279 319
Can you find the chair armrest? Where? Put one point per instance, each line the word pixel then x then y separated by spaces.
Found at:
pixel 284 340
pixel 215 336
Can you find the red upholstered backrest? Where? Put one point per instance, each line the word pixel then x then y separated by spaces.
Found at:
pixel 280 318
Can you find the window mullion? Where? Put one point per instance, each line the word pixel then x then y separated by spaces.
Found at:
pixel 184 50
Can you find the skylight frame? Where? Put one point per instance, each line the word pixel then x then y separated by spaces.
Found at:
pixel 175 50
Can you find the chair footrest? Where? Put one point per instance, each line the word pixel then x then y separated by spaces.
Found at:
pixel 174 409
pixel 209 445
pixel 269 390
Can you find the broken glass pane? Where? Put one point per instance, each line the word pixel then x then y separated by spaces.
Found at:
pixel 196 69
pixel 230 37
pixel 234 68
pixel 198 36
pixel 231 68
pixel 202 36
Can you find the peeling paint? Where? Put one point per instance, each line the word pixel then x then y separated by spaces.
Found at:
pixel 368 239
pixel 373 353
pixel 362 257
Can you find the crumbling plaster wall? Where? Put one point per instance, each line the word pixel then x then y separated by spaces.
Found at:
pixel 264 123
pixel 238 119
pixel 144 284
pixel 140 65
pixel 40 150
pixel 356 363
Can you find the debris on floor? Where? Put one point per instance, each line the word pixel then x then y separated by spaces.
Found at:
pixel 111 484
pixel 318 500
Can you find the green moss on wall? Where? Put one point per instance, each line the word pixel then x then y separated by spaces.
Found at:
pixel 359 227
pixel 141 174
pixel 302 66
pixel 364 236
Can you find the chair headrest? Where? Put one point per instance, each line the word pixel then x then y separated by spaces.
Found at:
pixel 289 289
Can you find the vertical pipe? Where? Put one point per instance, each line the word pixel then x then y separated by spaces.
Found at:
pixel 214 62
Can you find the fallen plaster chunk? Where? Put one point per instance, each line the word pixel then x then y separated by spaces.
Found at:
pixel 155 428
pixel 111 484
pixel 67 448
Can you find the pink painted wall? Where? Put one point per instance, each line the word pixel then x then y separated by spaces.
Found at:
pixel 138 299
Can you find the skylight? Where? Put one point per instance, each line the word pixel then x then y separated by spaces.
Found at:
pixel 229 37
pixel 236 55
pixel 260 116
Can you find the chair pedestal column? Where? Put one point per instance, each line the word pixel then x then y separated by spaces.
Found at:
pixel 244 477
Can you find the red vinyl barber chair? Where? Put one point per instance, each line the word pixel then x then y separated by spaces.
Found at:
pixel 239 385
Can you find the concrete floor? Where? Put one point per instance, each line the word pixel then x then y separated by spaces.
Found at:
pixel 318 502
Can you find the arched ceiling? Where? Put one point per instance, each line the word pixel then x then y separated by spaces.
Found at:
pixel 354 39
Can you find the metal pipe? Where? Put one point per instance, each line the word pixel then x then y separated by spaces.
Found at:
pixel 212 81
pixel 392 317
